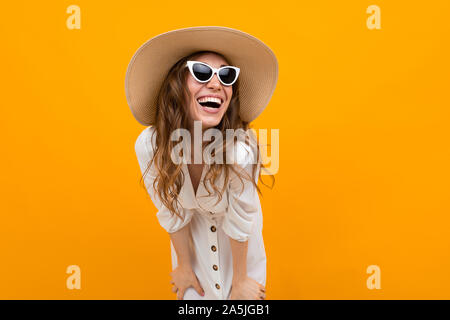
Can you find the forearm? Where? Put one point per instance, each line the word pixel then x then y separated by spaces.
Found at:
pixel 239 253
pixel 180 240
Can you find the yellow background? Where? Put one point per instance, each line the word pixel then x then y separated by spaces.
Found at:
pixel 364 148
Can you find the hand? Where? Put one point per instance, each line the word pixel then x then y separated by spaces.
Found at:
pixel 247 289
pixel 184 277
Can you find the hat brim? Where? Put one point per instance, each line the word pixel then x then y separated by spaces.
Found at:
pixel 152 61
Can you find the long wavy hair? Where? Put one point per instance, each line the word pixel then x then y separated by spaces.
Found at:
pixel 172 103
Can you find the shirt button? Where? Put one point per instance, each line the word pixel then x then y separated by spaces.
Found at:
pixel 213 228
pixel 215 267
pixel 213 248
pixel 217 286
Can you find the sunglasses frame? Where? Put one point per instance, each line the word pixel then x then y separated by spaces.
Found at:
pixel 190 65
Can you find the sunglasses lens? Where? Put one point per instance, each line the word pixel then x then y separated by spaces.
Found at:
pixel 201 71
pixel 227 75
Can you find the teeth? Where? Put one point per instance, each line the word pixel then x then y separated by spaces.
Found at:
pixel 210 99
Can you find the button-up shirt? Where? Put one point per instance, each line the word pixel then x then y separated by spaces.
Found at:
pixel 237 215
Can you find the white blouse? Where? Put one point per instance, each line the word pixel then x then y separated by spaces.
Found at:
pixel 238 215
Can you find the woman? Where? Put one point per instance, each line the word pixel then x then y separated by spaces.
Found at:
pixel 203 78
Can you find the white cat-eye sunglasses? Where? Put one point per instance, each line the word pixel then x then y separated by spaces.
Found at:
pixel 203 72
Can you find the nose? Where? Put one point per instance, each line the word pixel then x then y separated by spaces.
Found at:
pixel 214 82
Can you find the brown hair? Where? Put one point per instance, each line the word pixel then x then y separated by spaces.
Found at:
pixel 171 114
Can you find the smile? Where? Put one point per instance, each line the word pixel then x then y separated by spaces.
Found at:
pixel 210 105
pixel 210 102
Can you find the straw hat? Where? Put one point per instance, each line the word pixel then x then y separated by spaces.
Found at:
pixel 153 60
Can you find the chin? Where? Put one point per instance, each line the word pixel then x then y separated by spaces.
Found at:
pixel 210 123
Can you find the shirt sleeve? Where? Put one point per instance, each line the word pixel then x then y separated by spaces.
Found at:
pixel 144 152
pixel 242 198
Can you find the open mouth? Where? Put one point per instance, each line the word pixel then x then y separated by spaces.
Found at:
pixel 210 104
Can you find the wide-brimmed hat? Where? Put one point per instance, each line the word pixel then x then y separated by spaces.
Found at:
pixel 152 61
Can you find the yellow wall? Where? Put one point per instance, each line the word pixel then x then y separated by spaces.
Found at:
pixel 364 149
